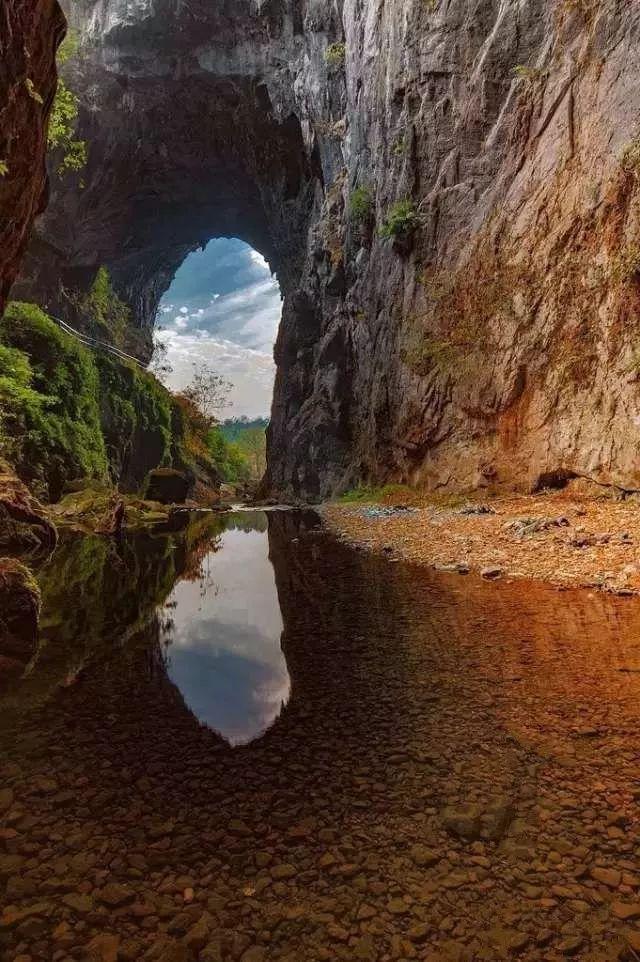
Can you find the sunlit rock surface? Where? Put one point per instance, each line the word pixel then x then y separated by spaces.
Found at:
pixel 497 342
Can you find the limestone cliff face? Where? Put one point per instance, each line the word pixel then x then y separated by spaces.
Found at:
pixel 496 339
pixel 30 31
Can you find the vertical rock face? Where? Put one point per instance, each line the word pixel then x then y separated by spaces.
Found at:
pixel 492 336
pixel 30 31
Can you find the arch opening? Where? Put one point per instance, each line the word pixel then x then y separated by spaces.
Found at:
pixel 222 311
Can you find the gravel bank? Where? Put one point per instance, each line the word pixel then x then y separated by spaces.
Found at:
pixel 546 537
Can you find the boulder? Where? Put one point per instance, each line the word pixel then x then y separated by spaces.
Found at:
pixel 168 486
pixel 24 524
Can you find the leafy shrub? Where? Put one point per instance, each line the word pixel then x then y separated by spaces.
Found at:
pixel 227 456
pixel 63 118
pixel 401 220
pixel 335 54
pixel 361 204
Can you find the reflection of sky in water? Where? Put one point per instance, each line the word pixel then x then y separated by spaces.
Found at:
pixel 225 654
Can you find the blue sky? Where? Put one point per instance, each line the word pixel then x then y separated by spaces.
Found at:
pixel 224 308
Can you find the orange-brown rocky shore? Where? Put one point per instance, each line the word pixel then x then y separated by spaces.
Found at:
pixel 553 536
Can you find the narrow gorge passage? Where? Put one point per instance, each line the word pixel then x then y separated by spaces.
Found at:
pixel 319 480
pixel 454 776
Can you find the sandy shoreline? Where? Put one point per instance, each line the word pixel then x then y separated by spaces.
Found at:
pixel 552 537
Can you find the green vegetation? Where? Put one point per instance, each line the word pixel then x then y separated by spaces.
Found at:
pixel 228 457
pixel 68 412
pixel 335 54
pixel 49 392
pixel 245 445
pixel 371 494
pixel 630 159
pixel 234 428
pixel 4 168
pixel 361 204
pixel 401 220
pixel 102 314
pixel 64 115
pixel 529 74
pixel 135 409
pixel 625 265
pixel 31 90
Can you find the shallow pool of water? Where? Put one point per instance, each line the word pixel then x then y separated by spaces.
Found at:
pixel 454 775
pixel 222 633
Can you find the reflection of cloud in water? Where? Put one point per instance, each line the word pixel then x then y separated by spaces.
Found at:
pixel 227 689
pixel 225 653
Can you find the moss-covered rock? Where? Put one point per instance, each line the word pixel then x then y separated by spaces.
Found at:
pixel 49 386
pixel 91 511
pixel 69 412
pixel 136 414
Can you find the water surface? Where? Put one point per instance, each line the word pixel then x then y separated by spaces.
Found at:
pixel 222 633
pixel 454 776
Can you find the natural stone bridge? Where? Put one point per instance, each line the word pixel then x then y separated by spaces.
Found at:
pixel 493 343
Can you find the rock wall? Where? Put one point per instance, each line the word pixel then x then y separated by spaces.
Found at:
pixel 495 338
pixel 30 31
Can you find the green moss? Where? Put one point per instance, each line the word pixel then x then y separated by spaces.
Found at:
pixel 49 399
pixel 335 54
pixel 68 412
pixel 136 410
pixel 104 315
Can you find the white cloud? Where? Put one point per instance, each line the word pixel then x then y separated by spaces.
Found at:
pixel 251 372
pixel 259 260
pixel 231 308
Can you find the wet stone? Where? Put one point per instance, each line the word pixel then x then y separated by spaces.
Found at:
pixel 115 895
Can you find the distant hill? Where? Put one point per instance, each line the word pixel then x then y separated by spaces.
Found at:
pixel 233 428
pixel 245 444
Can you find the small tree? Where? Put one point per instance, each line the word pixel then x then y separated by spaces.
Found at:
pixel 208 391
